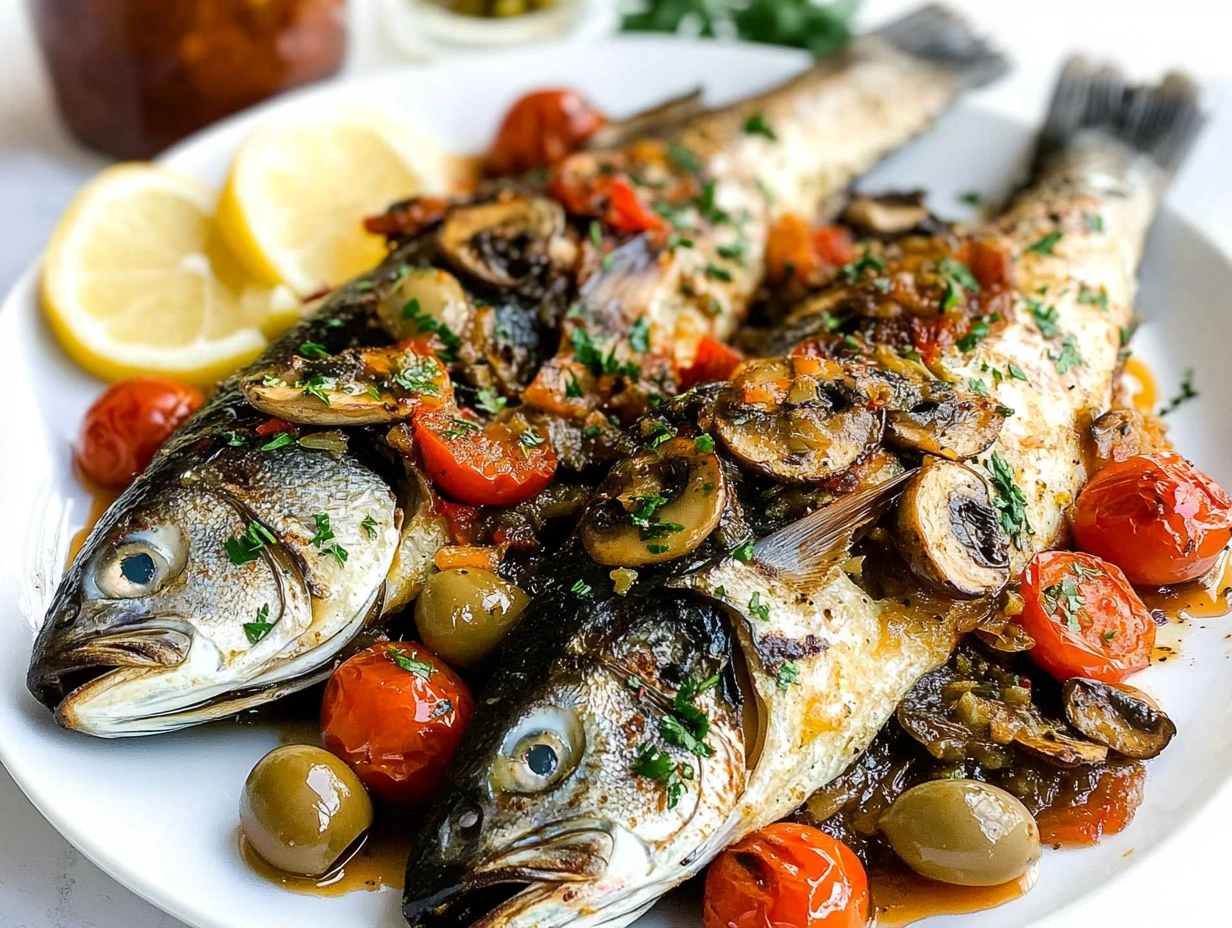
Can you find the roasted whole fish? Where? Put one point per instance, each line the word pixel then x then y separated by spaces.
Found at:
pixel 264 538
pixel 637 726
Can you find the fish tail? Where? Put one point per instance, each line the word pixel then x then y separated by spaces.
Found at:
pixel 1160 121
pixel 942 37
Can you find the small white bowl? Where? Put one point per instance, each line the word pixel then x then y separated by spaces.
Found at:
pixel 426 30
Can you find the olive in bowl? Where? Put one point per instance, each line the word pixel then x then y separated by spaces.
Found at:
pixel 303 810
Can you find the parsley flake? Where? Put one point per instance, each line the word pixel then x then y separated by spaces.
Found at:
pixel 757 125
pixel 1069 358
pixel 257 630
pixel 313 350
pixel 281 440
pixel 487 400
pixel 1010 501
pixel 788 674
pixel 244 548
pixel 743 552
pixel 1045 245
pixel 1187 393
pixel 581 589
pixel 369 526
pixel 409 664
pixel 758 608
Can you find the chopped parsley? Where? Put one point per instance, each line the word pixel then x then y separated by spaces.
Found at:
pixel 409 664
pixel 587 354
pixel 425 322
pixel 1093 221
pixel 531 439
pixel 247 547
pixel 581 589
pixel 1010 501
pixel 866 262
pixel 1091 297
pixel 573 389
pixel 1018 373
pixel 703 443
pixel 1069 358
pixel 596 233
pixel 459 428
pixel 313 350
pixel 679 241
pixel 744 551
pixel 714 272
pixel 257 630
pixel 970 197
pixel 973 338
pixel 1045 317
pixel 1045 245
pixel 487 400
pixel 656 764
pixel 660 432
pixel 324 534
pixel 733 251
pixel 958 280
pixel 269 380
pixel 418 377
pixel 757 125
pixel 1187 393
pixel 788 674
pixel 683 158
pixel 281 440
pixel 369 526
pixel 639 335
pixel 1065 599
pixel 658 548
pixel 232 439
pixel 978 386
pixel 316 385
pixel 758 608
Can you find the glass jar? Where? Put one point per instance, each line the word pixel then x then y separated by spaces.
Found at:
pixel 133 76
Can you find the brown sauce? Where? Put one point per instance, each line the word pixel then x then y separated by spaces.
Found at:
pixel 378 865
pixel 901 897
pixel 101 499
pixel 1141 385
pixel 1207 598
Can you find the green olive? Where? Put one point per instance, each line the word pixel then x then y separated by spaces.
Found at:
pixel 303 809
pixel 962 832
pixel 439 300
pixel 463 614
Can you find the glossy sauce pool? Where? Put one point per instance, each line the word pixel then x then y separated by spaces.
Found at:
pixel 379 864
pixel 901 897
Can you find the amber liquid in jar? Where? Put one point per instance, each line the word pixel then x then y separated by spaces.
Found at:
pixel 133 76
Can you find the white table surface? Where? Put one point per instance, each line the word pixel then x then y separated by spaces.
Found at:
pixel 45 883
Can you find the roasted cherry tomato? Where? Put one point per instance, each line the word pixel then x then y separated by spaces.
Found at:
pixel 793 250
pixel 395 714
pixel 483 465
pixel 1156 516
pixel 586 186
pixel 713 361
pixel 786 876
pixel 128 424
pixel 626 212
pixel 541 129
pixel 1086 619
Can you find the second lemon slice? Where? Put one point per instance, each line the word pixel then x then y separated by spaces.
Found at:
pixel 295 200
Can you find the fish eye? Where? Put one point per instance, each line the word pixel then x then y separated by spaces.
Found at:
pixel 540 751
pixel 139 564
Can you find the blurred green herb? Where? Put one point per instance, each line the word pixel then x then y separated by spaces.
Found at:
pixel 822 28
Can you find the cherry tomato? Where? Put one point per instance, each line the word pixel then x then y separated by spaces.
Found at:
pixel 1156 516
pixel 1086 619
pixel 626 212
pixel 541 129
pixel 483 465
pixel 713 361
pixel 395 714
pixel 786 876
pixel 1093 805
pixel 128 424
pixel 793 250
pixel 832 245
pixel 589 186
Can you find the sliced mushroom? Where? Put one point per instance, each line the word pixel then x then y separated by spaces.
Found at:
pixel 503 242
pixel 1121 717
pixel 368 386
pixel 888 214
pixel 1024 726
pixel 1123 433
pixel 655 506
pixel 950 532
pixel 948 422
pixel 423 300
pixel 793 426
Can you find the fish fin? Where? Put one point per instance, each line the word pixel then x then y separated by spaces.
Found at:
pixel 1160 120
pixel 808 549
pixel 943 37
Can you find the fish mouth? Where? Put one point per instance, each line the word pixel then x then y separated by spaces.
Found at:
pixel 498 888
pixel 68 664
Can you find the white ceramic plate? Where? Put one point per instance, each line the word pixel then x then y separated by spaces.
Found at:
pixel 159 814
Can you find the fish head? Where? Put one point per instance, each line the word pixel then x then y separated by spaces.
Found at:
pixel 150 622
pixel 566 803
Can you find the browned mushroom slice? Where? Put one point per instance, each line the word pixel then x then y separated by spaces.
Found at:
pixel 426 300
pixel 1123 433
pixel 888 214
pixel 1024 726
pixel 655 506
pixel 948 422
pixel 369 386
pixel 796 427
pixel 950 532
pixel 506 241
pixel 1121 717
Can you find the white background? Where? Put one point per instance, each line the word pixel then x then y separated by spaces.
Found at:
pixel 44 883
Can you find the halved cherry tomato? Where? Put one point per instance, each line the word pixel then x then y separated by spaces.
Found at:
pixel 541 129
pixel 713 361
pixel 1090 811
pixel 488 465
pixel 832 244
pixel 1156 516
pixel 1086 619
pixel 460 521
pixel 128 424
pixel 395 713
pixel 786 876
pixel 626 212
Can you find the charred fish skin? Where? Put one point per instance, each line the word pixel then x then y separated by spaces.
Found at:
pixel 234 568
pixel 826 646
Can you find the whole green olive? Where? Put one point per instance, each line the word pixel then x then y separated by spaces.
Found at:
pixel 462 614
pixel 439 300
pixel 962 832
pixel 302 808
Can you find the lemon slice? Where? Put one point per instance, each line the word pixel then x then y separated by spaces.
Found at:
pixel 137 280
pixel 295 200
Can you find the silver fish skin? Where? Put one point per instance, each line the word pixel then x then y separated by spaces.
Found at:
pixel 811 649
pixel 162 621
